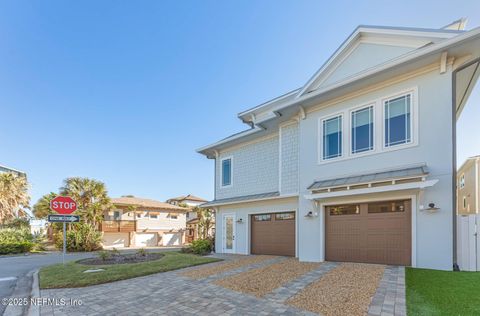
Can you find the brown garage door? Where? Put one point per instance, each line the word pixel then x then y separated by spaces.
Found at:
pixel 273 234
pixel 378 232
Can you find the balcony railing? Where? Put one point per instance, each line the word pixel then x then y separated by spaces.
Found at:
pixel 119 226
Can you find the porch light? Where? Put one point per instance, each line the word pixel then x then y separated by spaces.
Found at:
pixel 311 214
pixel 240 221
pixel 432 208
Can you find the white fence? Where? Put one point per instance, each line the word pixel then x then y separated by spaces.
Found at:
pixel 468 250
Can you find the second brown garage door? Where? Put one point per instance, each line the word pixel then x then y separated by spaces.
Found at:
pixel 273 234
pixel 378 232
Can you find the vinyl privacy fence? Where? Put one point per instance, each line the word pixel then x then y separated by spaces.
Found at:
pixel 468 245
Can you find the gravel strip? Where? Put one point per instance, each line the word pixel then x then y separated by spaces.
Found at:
pixel 345 290
pixel 264 280
pixel 207 271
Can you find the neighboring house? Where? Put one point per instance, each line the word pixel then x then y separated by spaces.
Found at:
pixel 358 163
pixel 193 228
pixel 468 186
pixel 139 222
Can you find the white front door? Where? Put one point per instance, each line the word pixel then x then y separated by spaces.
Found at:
pixel 229 233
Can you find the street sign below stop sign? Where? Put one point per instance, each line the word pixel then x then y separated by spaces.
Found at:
pixel 63 205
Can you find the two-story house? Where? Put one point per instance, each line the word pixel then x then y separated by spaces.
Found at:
pixel 140 222
pixel 468 187
pixel 358 164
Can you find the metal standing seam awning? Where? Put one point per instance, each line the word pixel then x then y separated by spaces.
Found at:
pixel 413 177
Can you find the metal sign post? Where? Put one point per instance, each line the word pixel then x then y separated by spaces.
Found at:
pixel 63 205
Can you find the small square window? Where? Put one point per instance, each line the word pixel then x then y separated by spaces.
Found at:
pixel 153 216
pixel 173 216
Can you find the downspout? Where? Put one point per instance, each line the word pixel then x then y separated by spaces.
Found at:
pixel 454 157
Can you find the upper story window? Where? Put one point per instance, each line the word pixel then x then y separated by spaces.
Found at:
pixel 398 121
pixel 226 172
pixel 362 130
pixel 332 137
pixel 462 181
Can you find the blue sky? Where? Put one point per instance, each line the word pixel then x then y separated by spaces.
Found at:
pixel 125 91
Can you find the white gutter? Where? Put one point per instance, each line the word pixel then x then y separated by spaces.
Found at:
pixel 252 200
pixel 389 188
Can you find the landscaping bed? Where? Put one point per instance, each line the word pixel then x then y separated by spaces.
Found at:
pixel 433 292
pixel 345 290
pixel 264 280
pixel 122 259
pixel 73 274
pixel 204 272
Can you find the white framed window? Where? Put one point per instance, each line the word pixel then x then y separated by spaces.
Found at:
pixel 398 120
pixel 462 181
pixel 226 171
pixel 332 137
pixel 153 216
pixel 362 130
pixel 173 216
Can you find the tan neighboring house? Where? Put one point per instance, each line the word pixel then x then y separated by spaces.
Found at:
pixel 191 201
pixel 139 222
pixel 468 187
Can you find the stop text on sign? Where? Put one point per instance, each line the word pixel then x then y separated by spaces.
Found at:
pixel 63 205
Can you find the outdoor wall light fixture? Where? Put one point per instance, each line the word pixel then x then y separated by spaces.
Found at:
pixel 240 221
pixel 311 214
pixel 431 208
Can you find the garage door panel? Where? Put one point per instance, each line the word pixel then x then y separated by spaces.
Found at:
pixel 380 236
pixel 274 236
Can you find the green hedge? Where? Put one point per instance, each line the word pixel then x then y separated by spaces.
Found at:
pixel 15 247
pixel 201 246
pixel 84 237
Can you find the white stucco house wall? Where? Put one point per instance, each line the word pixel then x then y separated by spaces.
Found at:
pixel 359 163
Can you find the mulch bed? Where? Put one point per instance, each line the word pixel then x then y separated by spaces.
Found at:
pixel 122 259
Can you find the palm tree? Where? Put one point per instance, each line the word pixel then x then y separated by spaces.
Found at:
pixel 205 221
pixel 41 209
pixel 13 195
pixel 91 197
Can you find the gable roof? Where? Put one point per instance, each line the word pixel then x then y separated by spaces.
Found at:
pixel 148 203
pixel 427 47
pixel 189 197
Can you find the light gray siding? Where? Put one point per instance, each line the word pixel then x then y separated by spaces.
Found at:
pixel 254 169
pixel 289 159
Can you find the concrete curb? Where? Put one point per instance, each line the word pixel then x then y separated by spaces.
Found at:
pixel 34 310
pixel 26 287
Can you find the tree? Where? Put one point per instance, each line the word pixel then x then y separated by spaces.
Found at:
pixel 13 195
pixel 205 221
pixel 91 197
pixel 41 209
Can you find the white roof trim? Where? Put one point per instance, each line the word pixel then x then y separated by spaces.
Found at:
pixel 387 188
pixel 254 130
pixel 253 200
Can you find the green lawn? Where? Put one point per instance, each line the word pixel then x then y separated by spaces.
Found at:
pixel 431 292
pixel 71 274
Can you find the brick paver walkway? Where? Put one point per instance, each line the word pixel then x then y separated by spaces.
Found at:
pixel 389 300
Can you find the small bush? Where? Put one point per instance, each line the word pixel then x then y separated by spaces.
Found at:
pixel 11 235
pixel 15 247
pixel 104 255
pixel 18 223
pixel 187 249
pixel 142 252
pixel 83 238
pixel 201 246
pixel 115 252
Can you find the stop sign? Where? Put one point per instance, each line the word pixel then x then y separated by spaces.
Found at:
pixel 63 205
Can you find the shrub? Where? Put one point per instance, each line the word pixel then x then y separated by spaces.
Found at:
pixel 115 252
pixel 104 255
pixel 18 223
pixel 15 247
pixel 142 252
pixel 201 246
pixel 84 237
pixel 9 235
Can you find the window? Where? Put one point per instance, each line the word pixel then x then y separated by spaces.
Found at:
pixel 386 207
pixel 362 130
pixel 262 218
pixel 462 181
pixel 226 172
pixel 116 215
pixel 464 202
pixel 332 137
pixel 153 216
pixel 284 216
pixel 351 209
pixel 173 216
pixel 398 121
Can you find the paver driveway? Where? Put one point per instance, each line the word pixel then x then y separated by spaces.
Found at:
pixel 174 293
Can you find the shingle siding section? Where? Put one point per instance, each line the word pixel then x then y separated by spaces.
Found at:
pixel 289 156
pixel 254 169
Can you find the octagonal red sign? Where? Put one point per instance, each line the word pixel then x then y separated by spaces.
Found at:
pixel 63 205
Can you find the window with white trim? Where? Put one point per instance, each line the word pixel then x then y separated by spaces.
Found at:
pixel 226 172
pixel 398 120
pixel 332 137
pixel 362 130
pixel 462 181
